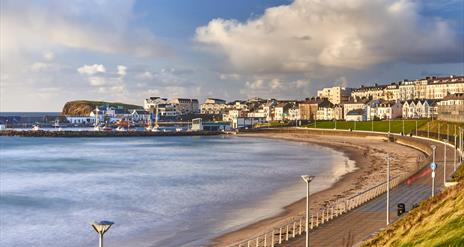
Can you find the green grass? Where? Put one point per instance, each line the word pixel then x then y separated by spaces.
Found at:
pixel 438 221
pixel 444 127
pixel 396 126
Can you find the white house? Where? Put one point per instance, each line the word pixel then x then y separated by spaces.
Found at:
pixel 356 115
pixel 140 115
pixel 389 110
pixel 325 110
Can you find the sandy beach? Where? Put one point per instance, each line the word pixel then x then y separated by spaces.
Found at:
pixel 368 153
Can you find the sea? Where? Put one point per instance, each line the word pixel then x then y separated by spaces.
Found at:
pixel 158 191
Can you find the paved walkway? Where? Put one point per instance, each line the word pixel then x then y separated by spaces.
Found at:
pixel 368 219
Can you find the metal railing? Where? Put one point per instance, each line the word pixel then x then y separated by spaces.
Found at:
pixel 295 226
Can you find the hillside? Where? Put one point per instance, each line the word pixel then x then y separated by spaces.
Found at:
pixel 437 221
pixel 84 107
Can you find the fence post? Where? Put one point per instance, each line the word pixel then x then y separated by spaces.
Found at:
pixel 332 212
pixel 294 229
pixel 286 235
pixel 280 235
pixel 265 239
pixel 272 238
pixel 317 219
pixel 312 219
pixel 300 227
pixel 248 245
pixel 322 216
pixel 257 241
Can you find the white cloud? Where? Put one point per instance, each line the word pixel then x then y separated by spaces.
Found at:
pixel 48 56
pixel 92 69
pixel 39 66
pixel 145 76
pixel 101 26
pixel 307 35
pixel 122 70
pixel 276 88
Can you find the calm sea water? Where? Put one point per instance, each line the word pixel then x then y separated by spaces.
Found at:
pixel 168 191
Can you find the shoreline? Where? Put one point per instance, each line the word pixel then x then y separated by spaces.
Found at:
pixel 367 154
pixel 86 133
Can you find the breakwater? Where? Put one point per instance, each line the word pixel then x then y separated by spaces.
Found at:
pixel 42 133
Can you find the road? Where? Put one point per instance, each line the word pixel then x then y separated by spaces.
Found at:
pixel 359 224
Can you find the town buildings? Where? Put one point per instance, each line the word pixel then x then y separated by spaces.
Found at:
pixel 334 94
pixel 451 108
pixel 213 106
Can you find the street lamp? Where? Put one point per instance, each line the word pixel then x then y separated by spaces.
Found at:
pixel 444 161
pixel 308 180
pixel 433 166
pixel 102 227
pixel 388 188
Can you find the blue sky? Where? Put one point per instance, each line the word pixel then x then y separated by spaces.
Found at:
pixel 56 51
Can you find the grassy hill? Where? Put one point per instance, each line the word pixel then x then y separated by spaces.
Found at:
pixel 396 126
pixel 438 221
pixel 84 107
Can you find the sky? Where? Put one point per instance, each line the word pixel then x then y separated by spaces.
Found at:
pixel 56 51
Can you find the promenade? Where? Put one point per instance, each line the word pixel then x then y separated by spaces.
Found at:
pixel 358 225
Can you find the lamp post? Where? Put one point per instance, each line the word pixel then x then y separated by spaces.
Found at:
pixel 372 124
pixel 403 127
pixel 444 161
pixel 455 148
pixel 308 180
pixel 433 166
pixel 416 127
pixel 102 227
pixel 388 188
pixel 389 127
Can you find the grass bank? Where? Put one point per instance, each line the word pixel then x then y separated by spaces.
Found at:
pixel 437 221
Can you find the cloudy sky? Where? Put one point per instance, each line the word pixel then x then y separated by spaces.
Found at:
pixel 55 51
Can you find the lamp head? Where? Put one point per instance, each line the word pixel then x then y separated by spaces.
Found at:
pixel 433 147
pixel 102 226
pixel 307 178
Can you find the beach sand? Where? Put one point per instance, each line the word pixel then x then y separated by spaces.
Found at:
pixel 368 153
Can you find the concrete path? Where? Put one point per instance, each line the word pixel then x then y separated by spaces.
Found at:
pixel 361 223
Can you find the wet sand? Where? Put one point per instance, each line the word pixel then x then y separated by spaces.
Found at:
pixel 368 153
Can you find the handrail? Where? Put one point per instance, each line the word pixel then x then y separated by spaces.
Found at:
pixel 294 225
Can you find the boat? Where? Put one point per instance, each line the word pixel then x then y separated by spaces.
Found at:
pixel 121 128
pixel 56 124
pixel 107 128
pixel 35 127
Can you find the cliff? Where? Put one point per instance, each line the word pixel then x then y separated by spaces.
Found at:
pixel 84 107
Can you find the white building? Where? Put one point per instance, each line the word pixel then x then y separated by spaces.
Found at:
pixel 213 106
pixel 185 106
pixel 356 115
pixel 389 110
pixel 246 122
pixel 325 111
pixel 334 94
pixel 354 105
